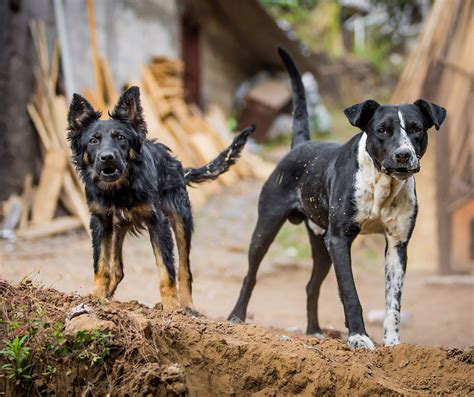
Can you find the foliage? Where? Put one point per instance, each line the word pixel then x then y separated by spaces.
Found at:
pixel 17 354
pixel 35 347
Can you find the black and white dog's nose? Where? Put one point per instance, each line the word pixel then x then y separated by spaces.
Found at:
pixel 402 155
pixel 107 156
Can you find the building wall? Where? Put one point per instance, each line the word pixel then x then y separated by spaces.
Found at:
pixel 19 146
pixel 223 66
pixel 129 33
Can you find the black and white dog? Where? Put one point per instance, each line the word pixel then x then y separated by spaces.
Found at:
pixel 363 186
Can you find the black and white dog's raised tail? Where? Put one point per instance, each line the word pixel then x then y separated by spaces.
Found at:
pixel 300 129
pixel 339 191
pixel 222 162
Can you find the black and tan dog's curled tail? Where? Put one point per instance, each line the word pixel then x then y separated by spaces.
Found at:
pixel 221 163
pixel 301 132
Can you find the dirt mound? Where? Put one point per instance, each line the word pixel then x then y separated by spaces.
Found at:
pixel 136 350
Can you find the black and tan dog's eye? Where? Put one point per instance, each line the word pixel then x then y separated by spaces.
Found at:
pixel 93 141
pixel 120 137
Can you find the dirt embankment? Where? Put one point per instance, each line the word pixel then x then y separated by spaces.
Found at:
pixel 134 350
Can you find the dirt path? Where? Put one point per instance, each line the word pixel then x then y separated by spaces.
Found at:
pixel 153 353
pixel 441 315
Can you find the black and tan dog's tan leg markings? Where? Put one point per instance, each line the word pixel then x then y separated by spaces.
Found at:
pixel 133 183
pixel 340 191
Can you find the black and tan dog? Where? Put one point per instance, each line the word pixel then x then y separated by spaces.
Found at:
pixel 339 191
pixel 133 183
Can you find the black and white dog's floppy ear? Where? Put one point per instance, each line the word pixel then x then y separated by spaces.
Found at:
pixel 81 114
pixel 129 109
pixel 434 114
pixel 360 114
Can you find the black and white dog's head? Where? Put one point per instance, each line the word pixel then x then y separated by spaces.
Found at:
pixel 102 149
pixel 396 134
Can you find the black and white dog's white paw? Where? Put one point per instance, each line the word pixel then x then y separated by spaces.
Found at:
pixel 358 341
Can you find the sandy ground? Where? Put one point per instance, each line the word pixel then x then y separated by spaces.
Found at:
pixel 440 315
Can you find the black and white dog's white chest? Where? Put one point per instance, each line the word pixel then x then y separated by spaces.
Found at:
pixel 383 204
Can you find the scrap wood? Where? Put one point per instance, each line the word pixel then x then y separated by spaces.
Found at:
pixel 26 201
pixel 51 181
pixel 55 226
pixel 95 53
pixel 162 106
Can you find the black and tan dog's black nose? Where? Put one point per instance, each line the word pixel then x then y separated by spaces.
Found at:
pixel 107 156
pixel 402 155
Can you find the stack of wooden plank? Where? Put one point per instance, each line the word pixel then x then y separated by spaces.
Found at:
pixel 193 137
pixel 59 182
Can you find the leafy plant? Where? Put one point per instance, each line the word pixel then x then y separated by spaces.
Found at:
pixel 92 346
pixel 17 354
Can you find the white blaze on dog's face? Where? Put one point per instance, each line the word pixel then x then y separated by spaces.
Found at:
pixel 396 134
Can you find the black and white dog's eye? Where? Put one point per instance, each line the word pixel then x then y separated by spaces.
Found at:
pixel 381 130
pixel 120 137
pixel 417 128
pixel 93 141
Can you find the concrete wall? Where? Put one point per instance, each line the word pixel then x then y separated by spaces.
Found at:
pixel 129 34
pixel 19 146
pixel 222 68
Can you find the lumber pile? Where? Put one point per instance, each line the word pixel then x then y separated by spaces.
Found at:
pixel 59 183
pixel 193 137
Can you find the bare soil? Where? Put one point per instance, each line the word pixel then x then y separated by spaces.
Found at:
pixel 157 353
pixel 441 315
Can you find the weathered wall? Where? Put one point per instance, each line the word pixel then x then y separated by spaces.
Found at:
pixel 223 68
pixel 128 33
pixel 18 142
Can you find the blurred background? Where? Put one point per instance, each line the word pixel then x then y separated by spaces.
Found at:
pixel 207 68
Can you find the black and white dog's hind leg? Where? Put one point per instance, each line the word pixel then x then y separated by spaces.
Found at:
pixel 321 266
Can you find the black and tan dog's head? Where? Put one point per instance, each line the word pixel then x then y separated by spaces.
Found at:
pixel 396 134
pixel 103 149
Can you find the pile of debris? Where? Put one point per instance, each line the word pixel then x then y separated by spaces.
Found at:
pixel 193 137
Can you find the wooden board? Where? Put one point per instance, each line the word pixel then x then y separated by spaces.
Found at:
pixel 51 180
pixel 162 107
pixel 56 226
pixel 26 200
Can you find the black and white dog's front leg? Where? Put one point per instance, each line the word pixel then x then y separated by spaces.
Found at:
pixel 395 267
pixel 339 246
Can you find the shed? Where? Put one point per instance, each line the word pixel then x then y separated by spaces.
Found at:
pixel 441 69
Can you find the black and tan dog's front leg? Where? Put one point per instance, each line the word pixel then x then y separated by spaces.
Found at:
pixel 101 230
pixel 183 231
pixel 107 242
pixel 162 242
pixel 395 267
pixel 339 247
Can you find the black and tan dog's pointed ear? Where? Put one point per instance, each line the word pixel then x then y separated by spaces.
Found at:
pixel 360 114
pixel 129 109
pixel 433 113
pixel 81 114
